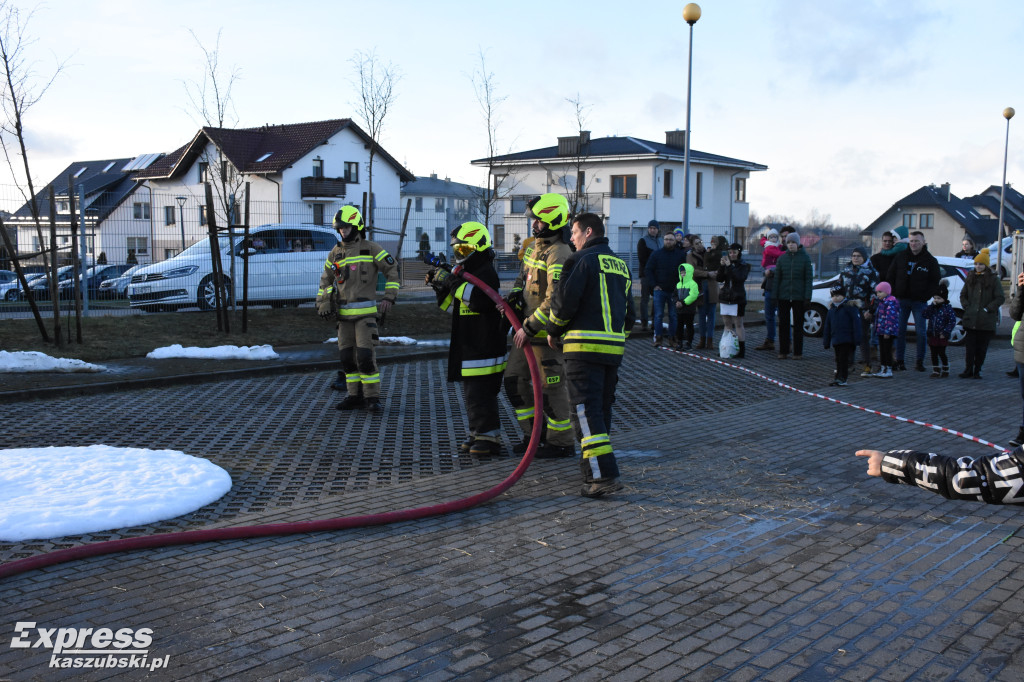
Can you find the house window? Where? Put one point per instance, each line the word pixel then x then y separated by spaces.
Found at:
pixel 698 199
pixel 140 245
pixel 318 214
pixel 666 183
pixel 908 220
pixel 419 204
pixel 203 171
pixel 439 205
pixel 223 171
pixel 318 170
pixel 352 172
pixel 519 205
pixel 741 190
pixel 927 220
pixel 63 207
pixel 439 235
pixel 170 217
pixel 581 181
pixel 624 186
pixel 140 210
pixel 202 215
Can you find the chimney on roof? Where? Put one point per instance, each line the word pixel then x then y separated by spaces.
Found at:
pixel 944 191
pixel 675 139
pixel 433 176
pixel 574 145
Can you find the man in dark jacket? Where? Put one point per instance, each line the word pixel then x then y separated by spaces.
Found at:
pixel 592 312
pixel 661 276
pixel 647 245
pixel 477 352
pixel 914 276
pixel 791 289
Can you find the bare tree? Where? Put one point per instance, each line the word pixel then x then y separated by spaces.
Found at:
pixel 23 87
pixel 499 185
pixel 574 180
pixel 376 81
pixel 211 104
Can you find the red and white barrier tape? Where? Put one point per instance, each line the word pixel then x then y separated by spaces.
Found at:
pixel 830 399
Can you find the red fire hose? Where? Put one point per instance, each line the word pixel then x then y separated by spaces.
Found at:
pixel 241 532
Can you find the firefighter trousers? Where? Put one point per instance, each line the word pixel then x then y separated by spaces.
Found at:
pixel 356 341
pixel 519 389
pixel 481 395
pixel 591 394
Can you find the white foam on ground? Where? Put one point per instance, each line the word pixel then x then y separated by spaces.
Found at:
pixel 33 361
pixel 59 491
pixel 215 353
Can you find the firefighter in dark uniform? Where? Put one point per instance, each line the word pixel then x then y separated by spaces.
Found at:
pixel 531 297
pixel 477 353
pixel 348 291
pixel 592 309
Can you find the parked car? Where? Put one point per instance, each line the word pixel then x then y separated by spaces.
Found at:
pixel 1007 256
pixel 117 287
pixel 6 277
pixel 93 277
pixel 954 271
pixel 285 262
pixel 40 286
pixel 9 291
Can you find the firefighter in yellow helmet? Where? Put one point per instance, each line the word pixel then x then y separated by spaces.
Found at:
pixel 532 293
pixel 348 291
pixel 477 352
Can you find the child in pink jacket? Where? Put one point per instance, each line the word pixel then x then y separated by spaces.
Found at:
pixel 887 326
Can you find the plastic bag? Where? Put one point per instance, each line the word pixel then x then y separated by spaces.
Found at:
pixel 728 346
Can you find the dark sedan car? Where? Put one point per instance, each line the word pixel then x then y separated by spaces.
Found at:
pixel 94 277
pixel 41 286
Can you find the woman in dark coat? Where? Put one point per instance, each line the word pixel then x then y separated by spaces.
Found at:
pixel 980 298
pixel 792 290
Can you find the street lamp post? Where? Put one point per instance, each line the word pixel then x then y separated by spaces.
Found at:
pixel 691 13
pixel 181 218
pixel 1008 113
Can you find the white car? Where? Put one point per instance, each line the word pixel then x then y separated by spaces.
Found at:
pixel 954 271
pixel 1007 256
pixel 285 262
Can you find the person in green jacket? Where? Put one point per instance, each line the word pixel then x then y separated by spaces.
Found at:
pixel 791 289
pixel 687 293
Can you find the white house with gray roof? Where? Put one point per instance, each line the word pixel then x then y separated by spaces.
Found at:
pixel 629 181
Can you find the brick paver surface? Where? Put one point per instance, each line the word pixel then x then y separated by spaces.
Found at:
pixel 747 544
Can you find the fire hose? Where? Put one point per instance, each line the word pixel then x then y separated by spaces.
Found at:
pixel 245 532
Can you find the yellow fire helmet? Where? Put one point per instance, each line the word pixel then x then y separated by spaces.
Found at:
pixel 348 215
pixel 469 238
pixel 551 209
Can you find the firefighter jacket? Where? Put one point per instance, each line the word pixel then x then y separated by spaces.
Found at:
pixel 478 342
pixel 593 305
pixel 538 278
pixel 348 284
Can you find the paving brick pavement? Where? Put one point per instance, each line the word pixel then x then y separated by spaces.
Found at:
pixel 747 544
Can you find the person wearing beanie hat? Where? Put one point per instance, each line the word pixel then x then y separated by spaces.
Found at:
pixel 980 297
pixel 941 321
pixel 841 331
pixel 886 318
pixel 791 288
pixel 914 275
pixel 858 279
pixel 647 245
pixel 773 248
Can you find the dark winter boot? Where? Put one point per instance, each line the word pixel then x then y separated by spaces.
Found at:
pixel 339 382
pixel 743 351
pixel 945 371
pixel 767 344
pixel 936 372
pixel 700 344
pixel 351 402
pixel 1019 440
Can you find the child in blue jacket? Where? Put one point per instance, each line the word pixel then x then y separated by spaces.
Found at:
pixel 941 321
pixel 842 332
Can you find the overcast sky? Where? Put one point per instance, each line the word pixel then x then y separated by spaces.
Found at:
pixel 851 105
